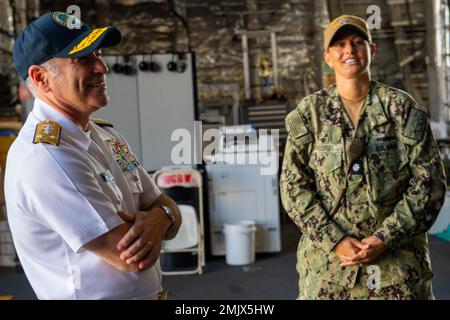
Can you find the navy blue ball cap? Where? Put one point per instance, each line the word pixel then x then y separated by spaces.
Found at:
pixel 59 35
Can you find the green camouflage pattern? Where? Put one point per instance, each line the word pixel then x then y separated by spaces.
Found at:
pixel 396 197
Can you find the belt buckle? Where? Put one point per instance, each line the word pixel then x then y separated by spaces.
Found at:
pixel 164 294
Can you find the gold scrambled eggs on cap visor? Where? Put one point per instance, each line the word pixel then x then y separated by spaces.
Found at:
pixel 90 41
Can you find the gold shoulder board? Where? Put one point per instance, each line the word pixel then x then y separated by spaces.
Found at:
pixel 47 131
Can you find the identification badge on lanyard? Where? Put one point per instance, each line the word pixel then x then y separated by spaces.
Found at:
pixel 107 176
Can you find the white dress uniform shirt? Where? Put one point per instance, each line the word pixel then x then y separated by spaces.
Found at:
pixel 59 198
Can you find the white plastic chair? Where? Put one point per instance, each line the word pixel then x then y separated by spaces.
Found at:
pixel 188 234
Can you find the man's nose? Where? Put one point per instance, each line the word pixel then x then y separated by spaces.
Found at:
pixel 100 66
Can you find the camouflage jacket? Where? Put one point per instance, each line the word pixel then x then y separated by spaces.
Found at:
pixel 395 190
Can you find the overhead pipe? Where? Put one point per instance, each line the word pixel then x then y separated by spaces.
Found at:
pixel 183 22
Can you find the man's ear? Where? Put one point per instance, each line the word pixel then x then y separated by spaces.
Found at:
pixel 326 58
pixel 39 76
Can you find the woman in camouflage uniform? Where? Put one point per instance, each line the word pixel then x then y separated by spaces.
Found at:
pixel 362 179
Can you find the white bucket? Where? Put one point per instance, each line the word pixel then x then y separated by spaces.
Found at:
pixel 240 242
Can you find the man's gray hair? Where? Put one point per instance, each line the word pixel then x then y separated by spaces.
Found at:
pixel 49 65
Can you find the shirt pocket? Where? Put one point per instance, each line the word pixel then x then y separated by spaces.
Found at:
pixel 388 171
pixel 327 161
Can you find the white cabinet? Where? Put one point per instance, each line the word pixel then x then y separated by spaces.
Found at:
pixel 442 223
pixel 240 192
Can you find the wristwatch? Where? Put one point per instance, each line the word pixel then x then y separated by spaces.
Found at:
pixel 169 215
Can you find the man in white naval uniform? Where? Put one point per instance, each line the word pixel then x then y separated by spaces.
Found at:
pixel 86 218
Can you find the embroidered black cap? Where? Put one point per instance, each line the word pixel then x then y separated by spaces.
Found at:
pixel 59 35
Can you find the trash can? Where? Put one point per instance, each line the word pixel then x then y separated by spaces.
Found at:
pixel 239 242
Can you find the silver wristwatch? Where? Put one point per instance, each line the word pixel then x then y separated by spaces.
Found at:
pixel 169 215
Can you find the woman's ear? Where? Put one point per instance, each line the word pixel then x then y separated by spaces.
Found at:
pixel 373 50
pixel 326 58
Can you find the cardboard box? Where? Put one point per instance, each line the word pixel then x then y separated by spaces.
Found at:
pixel 5 143
pixel 6 237
pixel 2 212
pixel 4 226
pixel 7 261
pixel 7 249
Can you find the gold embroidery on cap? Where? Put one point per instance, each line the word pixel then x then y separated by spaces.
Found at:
pixel 86 42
